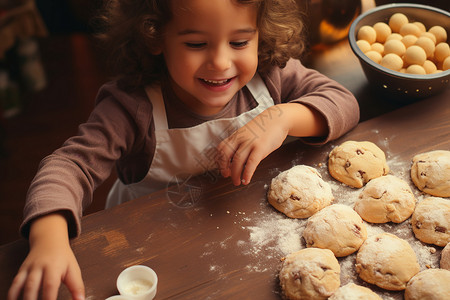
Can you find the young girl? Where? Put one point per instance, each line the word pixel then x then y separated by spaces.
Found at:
pixel 204 85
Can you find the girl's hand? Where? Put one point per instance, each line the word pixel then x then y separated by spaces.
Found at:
pixel 49 262
pixel 240 154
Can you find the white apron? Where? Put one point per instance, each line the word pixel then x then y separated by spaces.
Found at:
pixel 181 153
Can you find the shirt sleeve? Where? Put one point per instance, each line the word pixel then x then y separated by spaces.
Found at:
pixel 66 179
pixel 296 83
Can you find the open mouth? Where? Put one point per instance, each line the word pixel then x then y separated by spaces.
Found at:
pixel 215 82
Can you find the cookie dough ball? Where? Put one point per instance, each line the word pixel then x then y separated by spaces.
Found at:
pixel 409 40
pixel 363 45
pixel 310 273
pixel 355 163
pixel 336 227
pixel 431 221
pixel 396 21
pixel 392 61
pixel 299 192
pixel 351 291
pixel 416 69
pixel 394 46
pixel 374 56
pixel 382 31
pixel 441 52
pixel 445 258
pixel 430 172
pixel 430 284
pixel 430 67
pixel 386 199
pixel 426 44
pixel 415 55
pixel 439 32
pixel 386 261
pixel 367 33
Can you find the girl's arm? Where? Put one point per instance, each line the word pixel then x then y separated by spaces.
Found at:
pixel 49 262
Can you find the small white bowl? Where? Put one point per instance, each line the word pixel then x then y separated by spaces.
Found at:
pixel 137 283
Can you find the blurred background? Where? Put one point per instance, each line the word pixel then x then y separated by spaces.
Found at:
pixel 51 69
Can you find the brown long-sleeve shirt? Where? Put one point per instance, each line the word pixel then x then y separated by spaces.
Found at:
pixel 120 133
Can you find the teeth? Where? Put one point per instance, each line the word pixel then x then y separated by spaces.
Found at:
pixel 215 81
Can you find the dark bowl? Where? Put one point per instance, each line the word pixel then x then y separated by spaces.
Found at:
pixel 401 86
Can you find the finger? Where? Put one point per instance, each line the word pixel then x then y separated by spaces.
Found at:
pixel 238 163
pixel 17 285
pixel 226 150
pixel 74 283
pixel 252 163
pixel 50 285
pixel 32 285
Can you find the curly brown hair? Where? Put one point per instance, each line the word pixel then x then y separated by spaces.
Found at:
pixel 131 30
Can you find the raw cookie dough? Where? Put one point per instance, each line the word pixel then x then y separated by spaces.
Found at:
pixel 299 192
pixel 430 284
pixel 386 199
pixel 310 273
pixel 445 258
pixel 336 227
pixel 431 221
pixel 430 172
pixel 351 291
pixel 355 163
pixel 386 261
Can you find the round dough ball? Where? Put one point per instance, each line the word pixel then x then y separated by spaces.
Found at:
pixel 429 35
pixel 394 36
pixel 415 55
pixel 429 67
pixel 355 163
pixel 426 44
pixel 439 32
pixel 446 64
pixel 299 192
pixel 445 258
pixel 367 33
pixel 382 31
pixel 392 61
pixel 421 26
pixel 310 273
pixel 351 291
pixel 431 221
pixel 374 56
pixel 386 261
pixel 386 199
pixel 336 227
pixel 441 52
pixel 396 21
pixel 416 69
pixel 363 45
pixel 410 28
pixel 394 46
pixel 377 47
pixel 430 172
pixel 430 284
pixel 409 40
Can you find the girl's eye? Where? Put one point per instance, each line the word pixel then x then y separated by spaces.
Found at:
pixel 239 44
pixel 195 45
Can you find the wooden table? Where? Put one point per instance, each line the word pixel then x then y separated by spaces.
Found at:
pixel 207 239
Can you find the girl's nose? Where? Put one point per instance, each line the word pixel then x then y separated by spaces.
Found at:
pixel 219 59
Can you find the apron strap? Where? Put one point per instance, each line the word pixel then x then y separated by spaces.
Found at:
pixel 159 109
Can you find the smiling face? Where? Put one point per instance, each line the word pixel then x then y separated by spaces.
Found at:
pixel 211 51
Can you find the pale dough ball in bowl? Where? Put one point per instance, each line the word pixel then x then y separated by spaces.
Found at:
pixel 310 273
pixel 430 284
pixel 445 258
pixel 386 261
pixel 299 192
pixel 355 163
pixel 430 172
pixel 386 199
pixel 336 227
pixel 351 291
pixel 431 221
